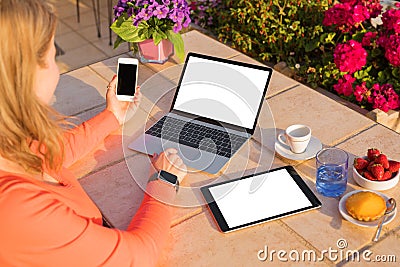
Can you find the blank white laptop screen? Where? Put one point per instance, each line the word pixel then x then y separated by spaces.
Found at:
pixel 277 193
pixel 220 91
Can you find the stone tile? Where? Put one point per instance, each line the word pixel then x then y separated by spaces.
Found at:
pixel 197 242
pixel 67 9
pixel 62 29
pixel 198 42
pixel 330 122
pixel 86 18
pixel 251 158
pixel 104 45
pixel 386 252
pixel 246 59
pixel 78 91
pixel 70 40
pixel 115 193
pixel 158 92
pixel 81 56
pixel 279 83
pixel 62 67
pixel 89 29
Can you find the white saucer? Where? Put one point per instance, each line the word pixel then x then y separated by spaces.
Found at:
pixel 347 216
pixel 313 147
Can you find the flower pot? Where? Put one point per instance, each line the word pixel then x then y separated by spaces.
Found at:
pixel 151 53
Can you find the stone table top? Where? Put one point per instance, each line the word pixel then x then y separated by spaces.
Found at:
pixel 112 174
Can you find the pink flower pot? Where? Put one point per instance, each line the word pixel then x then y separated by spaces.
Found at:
pixel 151 53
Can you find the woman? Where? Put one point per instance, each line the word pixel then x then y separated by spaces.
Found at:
pixel 46 219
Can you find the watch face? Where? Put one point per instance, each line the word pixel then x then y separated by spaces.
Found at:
pixel 169 177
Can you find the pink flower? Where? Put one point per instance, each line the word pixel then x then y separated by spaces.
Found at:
pixel 392 49
pixel 384 97
pixel 366 41
pixel 345 85
pixel 360 92
pixel 360 14
pixel 339 15
pixel 350 14
pixel 391 20
pixel 350 57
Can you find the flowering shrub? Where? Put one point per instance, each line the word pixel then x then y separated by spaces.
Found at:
pixel 341 46
pixel 365 53
pixel 270 31
pixel 139 20
pixel 205 12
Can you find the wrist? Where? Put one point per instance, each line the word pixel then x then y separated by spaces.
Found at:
pixel 166 178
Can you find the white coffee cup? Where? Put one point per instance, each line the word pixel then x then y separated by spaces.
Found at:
pixel 297 137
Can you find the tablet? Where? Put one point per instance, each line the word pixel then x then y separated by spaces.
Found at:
pixel 259 198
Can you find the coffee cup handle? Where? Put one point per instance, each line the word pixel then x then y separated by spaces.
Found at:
pixel 281 140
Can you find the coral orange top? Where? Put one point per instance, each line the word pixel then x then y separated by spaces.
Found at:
pixel 43 224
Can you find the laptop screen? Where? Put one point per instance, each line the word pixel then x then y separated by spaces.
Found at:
pixel 222 90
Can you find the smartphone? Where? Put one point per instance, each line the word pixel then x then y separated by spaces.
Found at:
pixel 127 74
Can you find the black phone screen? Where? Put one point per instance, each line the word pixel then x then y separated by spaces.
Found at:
pixel 126 79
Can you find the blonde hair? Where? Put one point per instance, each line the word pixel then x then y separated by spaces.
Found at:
pixel 26 31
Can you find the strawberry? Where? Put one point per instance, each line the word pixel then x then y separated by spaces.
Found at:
pixel 394 166
pixel 387 175
pixel 383 160
pixel 360 163
pixel 369 176
pixel 372 153
pixel 377 171
pixel 370 165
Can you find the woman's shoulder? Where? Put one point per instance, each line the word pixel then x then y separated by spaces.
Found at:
pixel 16 191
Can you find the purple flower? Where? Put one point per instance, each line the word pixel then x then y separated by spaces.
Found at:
pixel 161 12
pixel 177 27
pixel 176 16
pixel 145 13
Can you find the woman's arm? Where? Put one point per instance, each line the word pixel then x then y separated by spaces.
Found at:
pixel 39 230
pixel 82 139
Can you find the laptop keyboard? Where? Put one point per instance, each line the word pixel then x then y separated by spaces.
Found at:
pixel 197 136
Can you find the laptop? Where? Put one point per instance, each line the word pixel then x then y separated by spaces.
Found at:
pixel 213 114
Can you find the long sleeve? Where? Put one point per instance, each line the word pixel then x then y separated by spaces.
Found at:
pixel 83 138
pixel 37 229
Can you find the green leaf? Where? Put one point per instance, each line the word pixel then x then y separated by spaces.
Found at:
pixel 118 41
pixel 313 44
pixel 177 41
pixel 125 30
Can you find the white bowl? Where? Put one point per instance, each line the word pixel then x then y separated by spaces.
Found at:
pixel 375 185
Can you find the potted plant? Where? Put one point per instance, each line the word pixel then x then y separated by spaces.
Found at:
pixel 153 27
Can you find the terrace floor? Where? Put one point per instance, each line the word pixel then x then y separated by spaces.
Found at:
pixel 78 42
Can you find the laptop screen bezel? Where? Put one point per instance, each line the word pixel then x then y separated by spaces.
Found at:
pixel 212 121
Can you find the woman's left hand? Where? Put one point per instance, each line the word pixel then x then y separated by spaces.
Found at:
pixel 123 110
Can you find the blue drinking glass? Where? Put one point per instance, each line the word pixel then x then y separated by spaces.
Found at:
pixel 332 168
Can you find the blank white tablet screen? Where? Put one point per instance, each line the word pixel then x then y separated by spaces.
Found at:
pixel 276 193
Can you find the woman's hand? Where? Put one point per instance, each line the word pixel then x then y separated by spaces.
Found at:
pixel 123 110
pixel 169 161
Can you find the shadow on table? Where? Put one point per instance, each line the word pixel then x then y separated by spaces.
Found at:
pixel 73 97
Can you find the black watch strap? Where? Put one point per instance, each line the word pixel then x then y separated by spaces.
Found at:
pixel 166 177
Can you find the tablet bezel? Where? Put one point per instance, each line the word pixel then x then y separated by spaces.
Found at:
pixel 219 218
